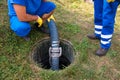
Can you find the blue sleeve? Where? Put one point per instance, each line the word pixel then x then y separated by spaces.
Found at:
pixel 20 2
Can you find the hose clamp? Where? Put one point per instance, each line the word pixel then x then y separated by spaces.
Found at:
pixel 55 52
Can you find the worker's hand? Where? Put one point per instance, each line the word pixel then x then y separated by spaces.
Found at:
pixel 51 17
pixel 39 21
pixel 110 1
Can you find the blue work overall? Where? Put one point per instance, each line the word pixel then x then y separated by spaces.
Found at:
pixel 33 7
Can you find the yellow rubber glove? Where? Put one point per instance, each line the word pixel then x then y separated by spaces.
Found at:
pixel 110 1
pixel 39 21
pixel 51 17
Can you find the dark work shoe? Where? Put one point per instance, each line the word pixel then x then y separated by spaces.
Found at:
pixel 26 38
pixel 42 29
pixel 93 37
pixel 101 52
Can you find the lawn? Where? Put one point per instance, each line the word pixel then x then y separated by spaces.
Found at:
pixel 74 20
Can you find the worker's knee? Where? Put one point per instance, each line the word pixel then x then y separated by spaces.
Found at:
pixel 52 5
pixel 20 28
pixel 46 8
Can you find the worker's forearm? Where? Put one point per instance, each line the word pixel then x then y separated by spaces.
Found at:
pixel 28 18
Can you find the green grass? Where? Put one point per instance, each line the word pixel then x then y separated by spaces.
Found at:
pixel 74 20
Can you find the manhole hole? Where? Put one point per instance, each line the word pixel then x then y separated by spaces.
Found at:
pixel 40 54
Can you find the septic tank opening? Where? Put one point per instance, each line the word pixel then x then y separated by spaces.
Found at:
pixel 40 54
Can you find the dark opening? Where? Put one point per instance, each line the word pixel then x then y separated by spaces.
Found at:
pixel 40 54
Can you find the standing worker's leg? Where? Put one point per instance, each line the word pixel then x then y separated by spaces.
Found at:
pixel 98 17
pixel 108 26
pixel 98 11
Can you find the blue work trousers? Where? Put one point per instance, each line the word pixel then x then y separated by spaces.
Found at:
pixel 104 21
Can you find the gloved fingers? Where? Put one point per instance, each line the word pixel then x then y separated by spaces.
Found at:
pixel 39 21
pixel 110 1
pixel 51 17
